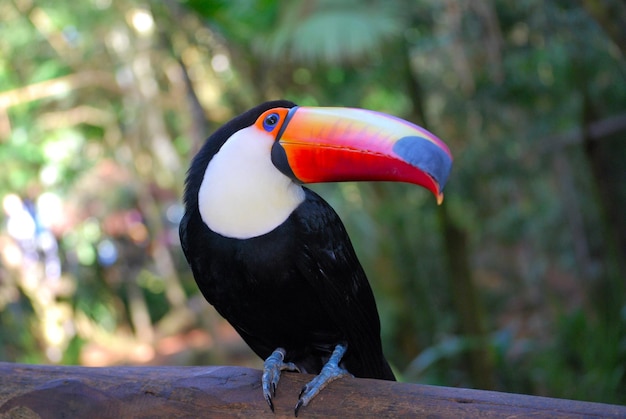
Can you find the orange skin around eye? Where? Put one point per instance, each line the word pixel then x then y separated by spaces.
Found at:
pixel 282 114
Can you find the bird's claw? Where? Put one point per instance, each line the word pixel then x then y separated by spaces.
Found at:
pixel 298 406
pixel 275 363
pixel 330 372
pixel 272 368
pixel 268 399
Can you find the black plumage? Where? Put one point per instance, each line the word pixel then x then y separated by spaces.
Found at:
pixel 299 286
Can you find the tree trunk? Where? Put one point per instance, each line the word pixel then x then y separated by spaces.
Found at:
pixel 465 295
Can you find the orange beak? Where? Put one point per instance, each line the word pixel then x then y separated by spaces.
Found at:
pixel 345 144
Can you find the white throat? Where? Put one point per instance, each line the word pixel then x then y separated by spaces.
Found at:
pixel 243 194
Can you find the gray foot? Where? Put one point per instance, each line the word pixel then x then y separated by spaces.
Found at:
pixel 272 367
pixel 330 372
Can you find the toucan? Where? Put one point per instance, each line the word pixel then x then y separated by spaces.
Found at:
pixel 273 257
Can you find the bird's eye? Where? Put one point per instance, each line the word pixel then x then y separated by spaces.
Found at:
pixel 270 122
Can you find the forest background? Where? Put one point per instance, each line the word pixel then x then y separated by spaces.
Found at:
pixel 516 283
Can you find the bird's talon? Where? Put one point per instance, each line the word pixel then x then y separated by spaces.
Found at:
pixel 272 368
pixel 268 399
pixel 330 372
pixel 298 406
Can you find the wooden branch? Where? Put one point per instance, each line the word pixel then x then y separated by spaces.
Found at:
pixel 49 392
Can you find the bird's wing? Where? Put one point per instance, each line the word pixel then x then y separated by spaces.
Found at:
pixel 328 262
pixel 182 233
pixel 190 231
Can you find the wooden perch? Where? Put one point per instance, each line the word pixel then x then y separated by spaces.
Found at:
pixel 32 391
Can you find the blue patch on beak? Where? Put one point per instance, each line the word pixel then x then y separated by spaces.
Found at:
pixel 426 156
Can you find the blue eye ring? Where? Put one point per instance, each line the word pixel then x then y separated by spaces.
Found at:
pixel 270 122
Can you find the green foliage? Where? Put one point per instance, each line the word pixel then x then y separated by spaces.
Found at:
pixel 592 359
pixel 337 32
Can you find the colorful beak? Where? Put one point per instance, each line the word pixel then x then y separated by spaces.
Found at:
pixel 345 144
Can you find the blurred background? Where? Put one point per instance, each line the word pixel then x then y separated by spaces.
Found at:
pixel 516 283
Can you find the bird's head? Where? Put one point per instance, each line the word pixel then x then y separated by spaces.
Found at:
pixel 257 162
